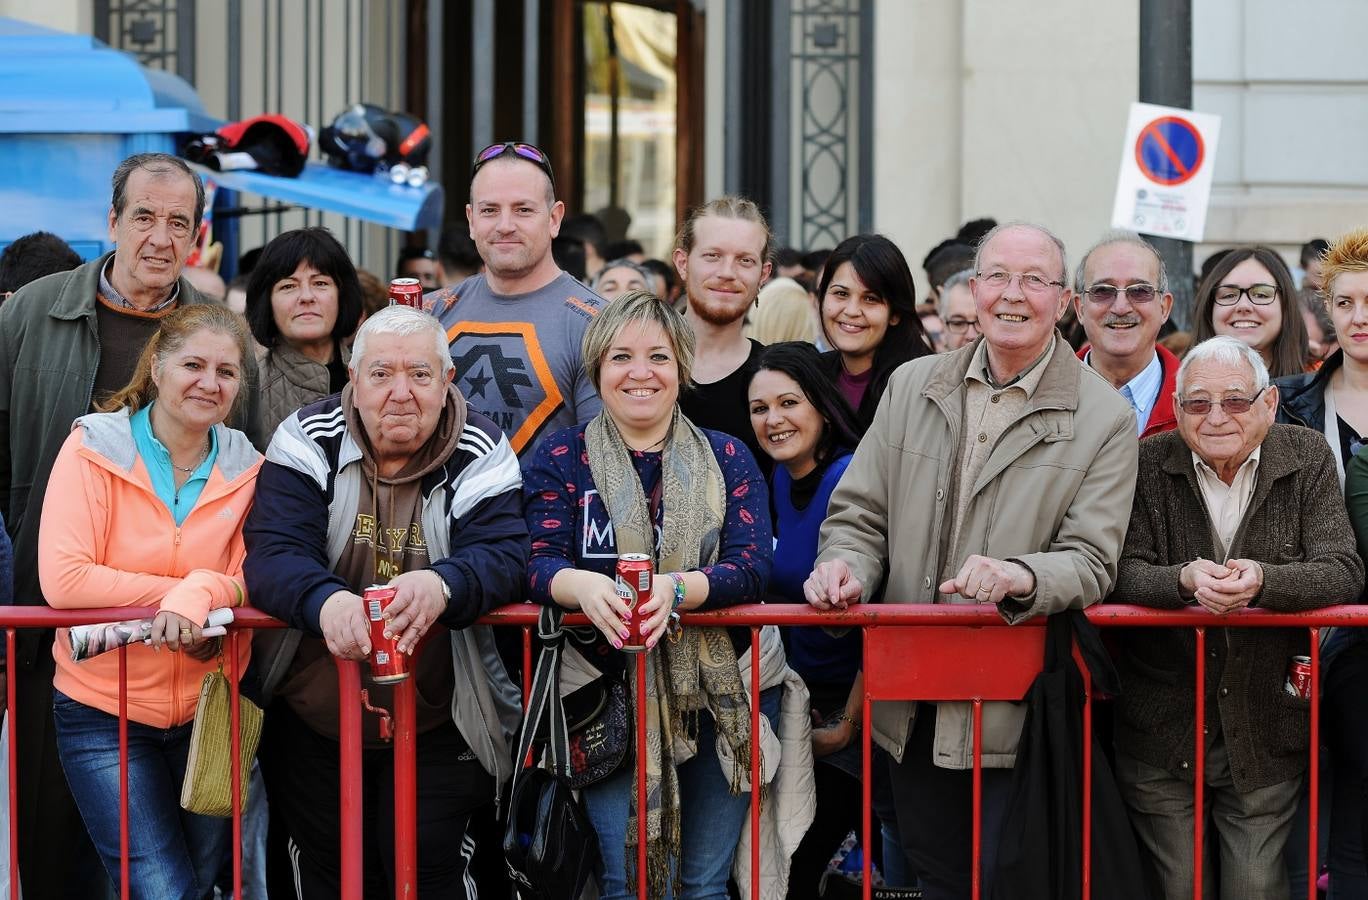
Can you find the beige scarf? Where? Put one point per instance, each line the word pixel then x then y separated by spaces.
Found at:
pixel 698 671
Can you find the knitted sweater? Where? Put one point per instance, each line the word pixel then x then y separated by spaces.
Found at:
pixel 1297 530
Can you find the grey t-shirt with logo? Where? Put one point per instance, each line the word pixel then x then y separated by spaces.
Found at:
pixel 518 355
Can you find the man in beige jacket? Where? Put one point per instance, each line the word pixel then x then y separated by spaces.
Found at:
pixel 999 473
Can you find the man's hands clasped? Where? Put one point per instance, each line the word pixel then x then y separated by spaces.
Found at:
pixel 1221 589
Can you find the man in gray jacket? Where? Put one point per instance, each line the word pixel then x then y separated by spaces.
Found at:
pixel 998 473
pixel 66 341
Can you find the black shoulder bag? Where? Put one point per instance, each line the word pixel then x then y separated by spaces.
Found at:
pixel 549 843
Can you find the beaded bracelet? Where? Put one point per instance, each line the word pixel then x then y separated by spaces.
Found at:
pixel 679 590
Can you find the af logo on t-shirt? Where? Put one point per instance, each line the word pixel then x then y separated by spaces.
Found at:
pixel 501 370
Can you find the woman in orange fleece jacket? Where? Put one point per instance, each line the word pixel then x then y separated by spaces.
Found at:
pixel 145 508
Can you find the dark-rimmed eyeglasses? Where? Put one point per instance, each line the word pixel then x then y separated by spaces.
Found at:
pixel 1105 294
pixel 1259 294
pixel 1031 283
pixel 1231 406
pixel 959 324
pixel 514 148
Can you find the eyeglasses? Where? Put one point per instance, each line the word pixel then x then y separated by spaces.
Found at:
pixel 1136 294
pixel 1231 406
pixel 1259 294
pixel 959 325
pixel 1030 282
pixel 516 148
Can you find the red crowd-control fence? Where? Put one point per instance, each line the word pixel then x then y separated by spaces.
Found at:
pixel 911 652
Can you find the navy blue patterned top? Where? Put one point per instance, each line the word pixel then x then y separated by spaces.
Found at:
pixel 570 528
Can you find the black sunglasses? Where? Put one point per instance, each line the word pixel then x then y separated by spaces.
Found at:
pixel 514 148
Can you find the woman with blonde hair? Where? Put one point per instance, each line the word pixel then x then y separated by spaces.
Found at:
pixel 641 478
pixel 145 508
pixel 784 312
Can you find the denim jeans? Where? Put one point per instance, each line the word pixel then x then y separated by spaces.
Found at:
pixel 710 818
pixel 172 854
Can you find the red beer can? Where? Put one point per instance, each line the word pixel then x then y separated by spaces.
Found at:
pixel 634 585
pixel 388 665
pixel 1299 677
pixel 406 292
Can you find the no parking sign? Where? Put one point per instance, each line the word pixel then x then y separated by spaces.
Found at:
pixel 1166 166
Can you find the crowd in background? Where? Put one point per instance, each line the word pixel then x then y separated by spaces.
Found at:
pixel 768 425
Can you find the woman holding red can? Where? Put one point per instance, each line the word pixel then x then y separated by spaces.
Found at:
pixel 641 478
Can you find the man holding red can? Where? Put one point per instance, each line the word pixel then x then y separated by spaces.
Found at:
pixel 395 483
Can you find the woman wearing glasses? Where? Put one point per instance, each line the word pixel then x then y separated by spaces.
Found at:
pixel 1250 296
pixel 869 315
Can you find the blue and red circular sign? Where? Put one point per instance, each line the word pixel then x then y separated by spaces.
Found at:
pixel 1169 150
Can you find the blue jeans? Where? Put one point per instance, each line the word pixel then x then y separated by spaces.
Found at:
pixel 172 854
pixel 710 818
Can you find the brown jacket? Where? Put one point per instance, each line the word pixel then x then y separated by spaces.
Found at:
pixel 1053 495
pixel 1297 529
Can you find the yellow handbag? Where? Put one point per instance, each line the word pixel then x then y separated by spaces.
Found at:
pixel 207 788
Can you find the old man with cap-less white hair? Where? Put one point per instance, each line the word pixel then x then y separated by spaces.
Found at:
pixel 1231 512
pixel 395 481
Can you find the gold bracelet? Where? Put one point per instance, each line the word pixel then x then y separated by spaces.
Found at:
pixel 847 717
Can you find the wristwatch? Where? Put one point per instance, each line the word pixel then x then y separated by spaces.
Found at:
pixel 446 588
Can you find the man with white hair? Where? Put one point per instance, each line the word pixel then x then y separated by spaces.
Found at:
pixel 396 481
pixel 1001 474
pixel 1231 511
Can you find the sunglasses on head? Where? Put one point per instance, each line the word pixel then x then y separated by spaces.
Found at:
pixel 514 148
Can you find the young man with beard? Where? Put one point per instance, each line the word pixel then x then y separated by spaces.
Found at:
pixel 722 255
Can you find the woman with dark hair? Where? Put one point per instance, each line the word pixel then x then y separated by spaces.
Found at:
pixel 303 302
pixel 1250 296
pixel 810 431
pixel 869 315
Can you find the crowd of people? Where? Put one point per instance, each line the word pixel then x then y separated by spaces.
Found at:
pixel 766 425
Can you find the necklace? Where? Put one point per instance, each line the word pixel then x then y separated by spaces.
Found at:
pixel 648 449
pixel 188 469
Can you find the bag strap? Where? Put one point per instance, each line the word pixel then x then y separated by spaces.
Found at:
pixel 544 700
pixel 1062 629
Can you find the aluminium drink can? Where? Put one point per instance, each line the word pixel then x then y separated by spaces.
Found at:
pixel 388 665
pixel 406 292
pixel 1299 677
pixel 634 572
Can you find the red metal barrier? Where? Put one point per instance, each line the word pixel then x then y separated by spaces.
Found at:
pixel 924 652
pixel 914 652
